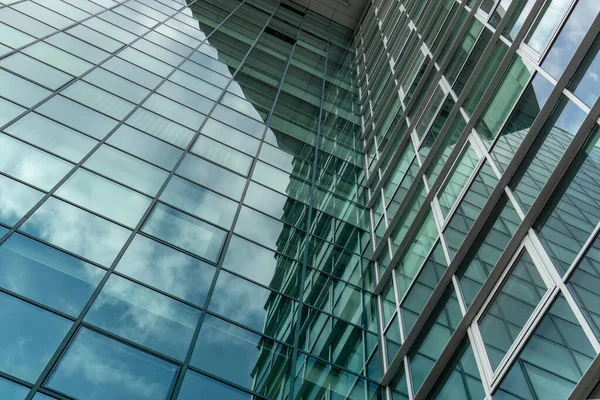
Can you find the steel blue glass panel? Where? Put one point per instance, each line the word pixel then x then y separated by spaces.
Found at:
pixel 76 231
pixel 47 275
pixel 185 231
pixel 167 269
pixel 144 316
pixel 95 366
pixel 29 337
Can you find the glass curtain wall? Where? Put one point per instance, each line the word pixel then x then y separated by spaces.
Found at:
pixel 183 203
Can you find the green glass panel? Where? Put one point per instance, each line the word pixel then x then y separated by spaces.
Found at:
pixel 552 361
pixel 512 306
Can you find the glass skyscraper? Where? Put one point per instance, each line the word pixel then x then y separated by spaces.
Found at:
pixel 246 199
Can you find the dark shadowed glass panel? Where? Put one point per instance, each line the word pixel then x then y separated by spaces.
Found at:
pixel 461 379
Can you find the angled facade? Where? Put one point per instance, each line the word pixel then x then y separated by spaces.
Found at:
pixel 247 199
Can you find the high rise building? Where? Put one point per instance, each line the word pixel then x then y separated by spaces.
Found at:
pixel 299 200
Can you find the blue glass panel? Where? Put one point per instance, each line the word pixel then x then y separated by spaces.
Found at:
pixel 29 337
pixel 96 367
pixel 167 269
pixel 12 391
pixel 77 231
pixel 199 387
pixel 15 200
pixel 185 231
pixel 47 275
pixel 237 355
pixel 144 316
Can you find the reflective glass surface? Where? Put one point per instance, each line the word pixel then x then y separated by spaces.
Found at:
pixel 144 316
pixel 95 366
pixel 46 275
pixel 30 336
pixel 184 231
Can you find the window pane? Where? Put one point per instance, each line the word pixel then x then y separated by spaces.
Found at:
pixel 200 202
pixel 20 90
pixel 230 136
pixel 551 144
pixel 16 200
pixel 9 111
pixel 30 164
pixel 570 219
pixel 174 111
pixel 187 97
pixel 195 383
pixel 186 232
pixel 517 126
pixel 585 83
pixel 271 231
pixel 77 231
pixel 235 354
pixel 512 306
pixel 552 361
pixel 251 305
pixel 29 337
pixel 462 379
pixel 125 373
pixel 47 275
pixel 503 101
pixel 570 37
pixel 223 155
pixel 35 70
pixel 263 266
pixel 546 23
pixel 167 269
pixel 58 58
pixel 584 283
pixel 458 178
pixel 212 176
pixel 104 197
pixel 161 128
pixel 132 72
pixel 52 136
pixel 98 99
pixel 12 391
pixel 77 116
pixel 117 85
pixel 145 146
pixel 126 169
pixel 77 47
pixel 144 316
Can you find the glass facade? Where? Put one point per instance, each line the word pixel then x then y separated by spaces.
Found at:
pixel 242 199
